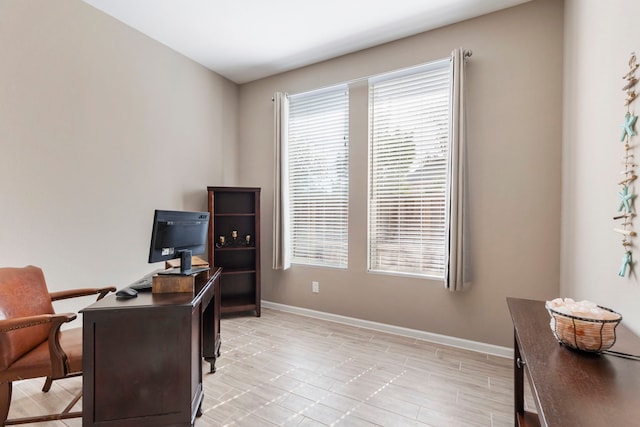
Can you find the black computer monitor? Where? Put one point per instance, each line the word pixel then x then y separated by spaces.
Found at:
pixel 178 234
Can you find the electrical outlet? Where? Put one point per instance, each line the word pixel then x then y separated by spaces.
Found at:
pixel 315 287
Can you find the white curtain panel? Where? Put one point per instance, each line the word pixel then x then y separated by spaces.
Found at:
pixel 458 261
pixel 281 246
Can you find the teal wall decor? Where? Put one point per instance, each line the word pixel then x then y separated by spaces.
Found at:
pixel 626 199
pixel 627 193
pixel 628 126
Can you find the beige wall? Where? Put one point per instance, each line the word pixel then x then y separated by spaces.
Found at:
pixel 599 39
pixel 99 126
pixel 515 131
pixel 93 114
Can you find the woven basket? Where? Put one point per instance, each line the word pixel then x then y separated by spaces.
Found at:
pixel 581 333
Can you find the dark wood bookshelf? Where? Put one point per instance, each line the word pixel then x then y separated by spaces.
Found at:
pixel 236 209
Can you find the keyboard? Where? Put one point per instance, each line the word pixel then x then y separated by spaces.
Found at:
pixel 143 284
pixel 146 283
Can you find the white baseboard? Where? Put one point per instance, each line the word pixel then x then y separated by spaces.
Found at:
pixel 413 333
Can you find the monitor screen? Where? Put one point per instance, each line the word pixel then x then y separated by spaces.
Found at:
pixel 178 234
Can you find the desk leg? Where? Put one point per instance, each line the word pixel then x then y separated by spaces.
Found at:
pixel 210 336
pixel 212 364
pixel 518 382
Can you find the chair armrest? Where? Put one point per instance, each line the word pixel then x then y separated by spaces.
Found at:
pixel 73 293
pixel 7 325
pixel 57 356
pixel 59 359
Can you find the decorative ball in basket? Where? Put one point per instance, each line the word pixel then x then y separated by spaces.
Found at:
pixel 583 325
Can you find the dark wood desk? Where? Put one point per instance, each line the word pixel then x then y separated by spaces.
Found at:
pixel 142 357
pixel 572 388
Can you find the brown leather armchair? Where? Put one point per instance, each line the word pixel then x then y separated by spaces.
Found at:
pixel 31 342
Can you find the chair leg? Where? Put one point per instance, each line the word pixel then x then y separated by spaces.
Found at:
pixel 49 381
pixel 5 401
pixel 47 385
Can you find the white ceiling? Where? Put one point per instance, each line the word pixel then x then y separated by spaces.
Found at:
pixel 246 40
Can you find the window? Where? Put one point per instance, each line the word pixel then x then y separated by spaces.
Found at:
pixel 318 176
pixel 408 149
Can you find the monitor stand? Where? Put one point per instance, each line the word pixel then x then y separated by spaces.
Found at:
pixel 179 272
pixel 185 266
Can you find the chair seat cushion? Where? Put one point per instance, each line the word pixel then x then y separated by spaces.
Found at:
pixel 36 363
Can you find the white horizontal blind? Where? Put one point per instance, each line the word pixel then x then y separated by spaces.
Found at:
pixel 318 169
pixel 409 141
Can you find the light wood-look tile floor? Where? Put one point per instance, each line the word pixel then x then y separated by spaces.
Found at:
pixel 284 369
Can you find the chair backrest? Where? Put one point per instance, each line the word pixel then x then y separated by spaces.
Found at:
pixel 23 292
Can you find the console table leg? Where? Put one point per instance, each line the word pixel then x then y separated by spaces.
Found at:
pixel 518 380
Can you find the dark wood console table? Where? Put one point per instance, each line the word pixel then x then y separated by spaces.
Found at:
pixel 572 388
pixel 142 357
